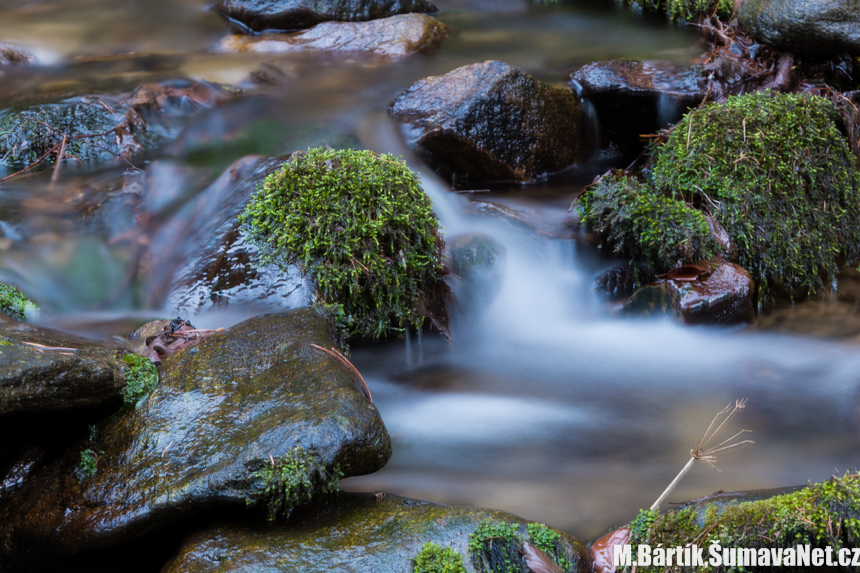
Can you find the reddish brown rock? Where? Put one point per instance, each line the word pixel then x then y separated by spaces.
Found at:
pixel 392 37
pixel 723 295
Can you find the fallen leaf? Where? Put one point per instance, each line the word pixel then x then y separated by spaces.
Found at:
pixel 538 561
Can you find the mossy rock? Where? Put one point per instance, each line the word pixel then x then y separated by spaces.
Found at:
pixel 366 532
pixel 819 515
pixel 773 170
pixel 362 229
pixel 15 304
pixel 686 9
pixel 254 396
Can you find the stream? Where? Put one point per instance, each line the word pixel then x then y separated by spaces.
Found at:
pixel 542 404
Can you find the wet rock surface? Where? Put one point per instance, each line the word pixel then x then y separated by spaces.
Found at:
pixel 218 267
pixel 223 411
pixel 10 54
pixel 44 370
pixel 259 15
pixel 391 37
pixel 633 98
pixel 490 121
pixel 356 533
pixel 98 127
pixel 721 295
pixel 804 27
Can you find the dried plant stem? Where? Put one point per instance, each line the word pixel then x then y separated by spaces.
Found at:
pixel 656 505
pixel 702 452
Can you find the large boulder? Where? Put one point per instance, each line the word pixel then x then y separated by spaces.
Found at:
pixel 228 418
pixel 632 98
pixel 391 37
pixel 259 15
pixel 491 121
pixel 804 27
pixel 44 370
pixel 363 532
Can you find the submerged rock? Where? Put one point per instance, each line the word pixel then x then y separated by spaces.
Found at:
pixel 633 98
pixel 240 402
pixel 201 259
pixel 363 532
pixel 259 15
pixel 480 263
pixel 10 54
pixel 392 37
pixel 491 121
pixel 804 27
pixel 721 293
pixel 44 370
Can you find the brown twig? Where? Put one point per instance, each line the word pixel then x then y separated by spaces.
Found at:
pixel 343 360
pixel 60 153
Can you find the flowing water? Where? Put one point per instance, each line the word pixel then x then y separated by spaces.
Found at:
pixel 542 404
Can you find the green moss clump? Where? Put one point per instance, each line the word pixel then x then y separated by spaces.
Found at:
pixel 640 526
pixel 292 480
pixel 777 173
pixel 633 220
pixel 141 378
pixel 15 304
pixel 687 9
pixel 434 559
pixel 361 228
pixel 547 540
pixel 87 466
pixel 820 515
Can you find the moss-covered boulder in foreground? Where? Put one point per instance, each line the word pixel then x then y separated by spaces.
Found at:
pixel 256 396
pixel 364 232
pixel 820 515
pixel 773 170
pixel 390 534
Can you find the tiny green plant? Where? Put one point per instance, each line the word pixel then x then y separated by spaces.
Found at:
pixel 360 227
pixel 435 559
pixel 141 378
pixel 546 540
pixel 15 304
pixel 495 547
pixel 87 466
pixel 290 481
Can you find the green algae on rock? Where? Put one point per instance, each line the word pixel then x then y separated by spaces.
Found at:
pixel 498 546
pixel 825 514
pixel 355 532
pixel 634 221
pixel 362 229
pixel 223 410
pixel 15 304
pixel 776 172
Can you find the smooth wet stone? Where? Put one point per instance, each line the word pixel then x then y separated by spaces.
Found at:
pixel 10 54
pixel 222 408
pixel 480 263
pixel 201 260
pixel 356 533
pixel 259 15
pixel 632 98
pixel 391 37
pixel 722 296
pixel 72 372
pixel 490 121
pixel 804 27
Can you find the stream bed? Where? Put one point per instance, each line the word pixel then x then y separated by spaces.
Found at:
pixel 542 404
